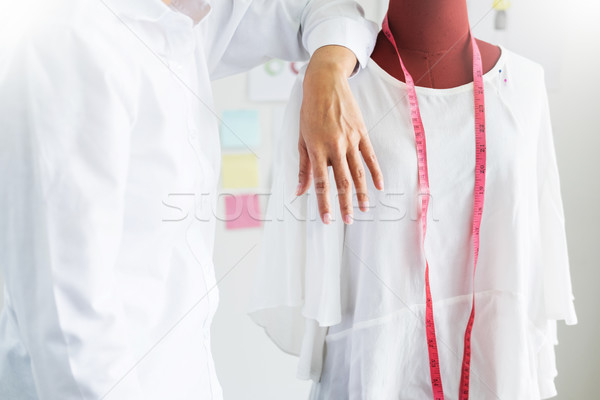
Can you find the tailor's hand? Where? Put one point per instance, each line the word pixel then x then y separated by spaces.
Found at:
pixel 333 133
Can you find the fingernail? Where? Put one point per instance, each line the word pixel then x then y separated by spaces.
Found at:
pixel 326 218
pixel 364 206
pixel 298 189
pixel 380 184
pixel 348 219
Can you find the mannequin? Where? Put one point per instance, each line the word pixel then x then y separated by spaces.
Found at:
pixel 434 43
pixel 356 316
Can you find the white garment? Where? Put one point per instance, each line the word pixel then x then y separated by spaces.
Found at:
pixel 109 163
pixel 349 300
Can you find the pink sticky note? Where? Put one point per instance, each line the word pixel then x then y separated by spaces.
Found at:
pixel 242 211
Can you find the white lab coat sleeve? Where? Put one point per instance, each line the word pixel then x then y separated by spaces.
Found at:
pixel 64 137
pixel 296 295
pixel 286 29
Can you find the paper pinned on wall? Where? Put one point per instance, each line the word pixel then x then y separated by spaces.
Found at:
pixel 273 81
pixel 501 5
pixel 240 129
pixel 239 171
pixel 242 211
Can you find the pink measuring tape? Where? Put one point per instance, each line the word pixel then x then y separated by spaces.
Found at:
pixel 479 194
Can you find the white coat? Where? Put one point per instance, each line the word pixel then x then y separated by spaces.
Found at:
pixel 109 163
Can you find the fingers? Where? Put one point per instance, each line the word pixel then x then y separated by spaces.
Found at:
pixel 370 158
pixel 348 169
pixel 305 170
pixel 343 181
pixel 358 176
pixel 321 178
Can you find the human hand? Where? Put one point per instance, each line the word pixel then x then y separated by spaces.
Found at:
pixel 333 133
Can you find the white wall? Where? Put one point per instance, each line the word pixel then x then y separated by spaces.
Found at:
pixel 576 116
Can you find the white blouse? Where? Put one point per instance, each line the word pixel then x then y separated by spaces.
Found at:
pixel 350 300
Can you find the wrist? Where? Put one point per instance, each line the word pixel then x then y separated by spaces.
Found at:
pixel 331 61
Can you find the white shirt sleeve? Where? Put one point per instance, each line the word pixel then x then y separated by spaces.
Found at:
pixel 287 29
pixel 64 149
pixel 297 285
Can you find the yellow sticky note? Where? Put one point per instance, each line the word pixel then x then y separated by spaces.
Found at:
pixel 239 171
pixel 501 5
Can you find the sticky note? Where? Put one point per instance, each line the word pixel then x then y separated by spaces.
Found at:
pixel 240 129
pixel 239 171
pixel 501 5
pixel 242 211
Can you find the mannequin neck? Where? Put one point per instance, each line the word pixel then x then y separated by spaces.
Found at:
pixel 434 43
pixel 429 25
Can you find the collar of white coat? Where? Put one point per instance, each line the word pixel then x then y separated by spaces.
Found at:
pixel 195 9
pixel 154 10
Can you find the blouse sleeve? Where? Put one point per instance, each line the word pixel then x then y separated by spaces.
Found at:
pixel 297 287
pixel 557 278
pixel 558 297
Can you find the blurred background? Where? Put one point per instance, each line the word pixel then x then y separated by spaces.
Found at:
pixel 565 38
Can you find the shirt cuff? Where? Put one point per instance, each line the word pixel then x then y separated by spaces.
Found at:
pixel 358 36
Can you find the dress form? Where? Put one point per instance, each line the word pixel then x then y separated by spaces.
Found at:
pixel 433 40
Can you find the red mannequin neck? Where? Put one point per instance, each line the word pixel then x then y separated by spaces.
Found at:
pixel 433 40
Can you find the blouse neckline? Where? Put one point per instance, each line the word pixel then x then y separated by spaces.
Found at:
pixel 494 72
